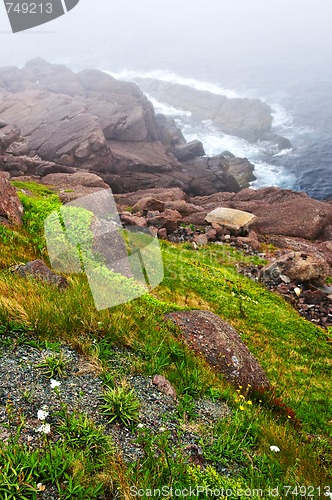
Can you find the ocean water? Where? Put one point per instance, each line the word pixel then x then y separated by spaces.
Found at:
pixel 304 117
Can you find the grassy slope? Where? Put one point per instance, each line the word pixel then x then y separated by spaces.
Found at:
pixel 295 354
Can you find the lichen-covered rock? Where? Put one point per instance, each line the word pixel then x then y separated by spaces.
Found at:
pixel 37 269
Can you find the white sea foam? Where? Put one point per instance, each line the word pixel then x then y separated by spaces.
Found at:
pixel 171 77
pixel 214 141
pixel 272 175
pixel 166 109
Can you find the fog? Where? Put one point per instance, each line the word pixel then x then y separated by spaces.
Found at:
pixel 291 38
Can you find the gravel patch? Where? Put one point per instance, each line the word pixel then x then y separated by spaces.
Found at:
pixel 24 390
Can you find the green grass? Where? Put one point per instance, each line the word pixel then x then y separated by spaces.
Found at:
pixel 135 339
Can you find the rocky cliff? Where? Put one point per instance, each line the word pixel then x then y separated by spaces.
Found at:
pixel 55 121
pixel 250 119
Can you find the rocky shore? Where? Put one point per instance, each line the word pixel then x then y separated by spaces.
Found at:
pixel 56 121
pixel 82 132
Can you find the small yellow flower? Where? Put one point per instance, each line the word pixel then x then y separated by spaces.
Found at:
pixel 241 407
pixel 240 386
pixel 249 385
pixel 249 402
pixel 241 396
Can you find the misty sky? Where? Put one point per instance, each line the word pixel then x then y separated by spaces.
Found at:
pixel 186 33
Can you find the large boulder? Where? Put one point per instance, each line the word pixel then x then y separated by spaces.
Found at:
pixel 233 220
pixel 11 209
pixel 168 131
pixel 222 346
pixel 148 203
pixel 64 115
pixel 241 169
pixel 209 175
pixel 299 267
pixel 188 151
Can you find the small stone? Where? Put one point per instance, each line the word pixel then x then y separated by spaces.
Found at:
pixel 164 386
pixel 201 239
pixel 162 233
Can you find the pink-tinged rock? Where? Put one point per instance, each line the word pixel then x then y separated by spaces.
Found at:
pixel 148 203
pixel 162 233
pixel 222 347
pixel 279 211
pixel 164 386
pixel 298 267
pixel 183 207
pixel 11 209
pixel 200 239
pixel 251 240
pixel 211 235
pixel 169 219
pixel 128 219
pixel 37 269
pixel 165 195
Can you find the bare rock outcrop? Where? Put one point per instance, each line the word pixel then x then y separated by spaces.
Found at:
pixel 278 211
pixel 57 121
pixel 11 209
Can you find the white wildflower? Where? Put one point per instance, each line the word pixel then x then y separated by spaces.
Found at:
pixel 274 448
pixel 140 426
pixel 162 429
pixel 54 383
pixel 42 414
pixel 44 428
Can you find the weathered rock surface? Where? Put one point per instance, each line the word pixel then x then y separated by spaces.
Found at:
pixel 11 209
pixel 298 267
pixel 148 203
pixel 234 220
pixel 222 346
pixel 278 211
pixel 188 151
pixel 167 195
pixel 204 172
pixel 37 269
pixel 168 219
pixel 168 132
pixel 55 120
